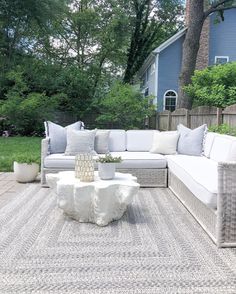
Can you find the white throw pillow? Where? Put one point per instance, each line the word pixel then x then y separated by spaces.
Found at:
pixel 80 142
pixel 165 142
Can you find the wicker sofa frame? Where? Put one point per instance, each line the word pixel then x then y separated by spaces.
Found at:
pixel 219 224
pixel 147 177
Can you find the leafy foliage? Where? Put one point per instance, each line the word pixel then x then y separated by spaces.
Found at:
pixel 125 106
pixel 28 158
pixel 151 22
pixel 26 110
pixel 199 10
pixel 66 54
pixel 108 158
pixel 214 86
pixel 223 129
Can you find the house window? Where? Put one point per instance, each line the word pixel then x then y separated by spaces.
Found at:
pixel 170 100
pixel 221 59
pixel 146 92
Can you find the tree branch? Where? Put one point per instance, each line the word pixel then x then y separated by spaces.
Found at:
pixel 215 8
pixel 217 4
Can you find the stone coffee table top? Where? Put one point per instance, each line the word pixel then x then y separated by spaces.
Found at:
pixel 100 201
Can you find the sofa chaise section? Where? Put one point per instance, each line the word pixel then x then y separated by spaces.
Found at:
pixel 206 185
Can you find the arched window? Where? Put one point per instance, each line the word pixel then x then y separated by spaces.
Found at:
pixel 170 100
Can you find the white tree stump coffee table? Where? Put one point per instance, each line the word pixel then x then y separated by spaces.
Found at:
pixel 100 201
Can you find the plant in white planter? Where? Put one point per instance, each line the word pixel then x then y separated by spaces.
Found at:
pixel 26 167
pixel 107 166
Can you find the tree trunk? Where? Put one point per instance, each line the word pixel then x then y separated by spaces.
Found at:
pixel 190 50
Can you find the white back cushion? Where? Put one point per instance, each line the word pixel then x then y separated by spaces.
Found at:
pixel 117 140
pixel 223 148
pixel 139 140
pixel 207 145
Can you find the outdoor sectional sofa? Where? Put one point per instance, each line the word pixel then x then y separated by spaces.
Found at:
pixel 205 184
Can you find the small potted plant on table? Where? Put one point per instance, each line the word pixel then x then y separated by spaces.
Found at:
pixel 107 166
pixel 26 167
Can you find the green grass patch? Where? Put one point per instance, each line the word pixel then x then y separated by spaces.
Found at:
pixel 12 147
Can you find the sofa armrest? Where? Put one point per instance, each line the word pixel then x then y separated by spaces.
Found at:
pixel 45 146
pixel 226 204
pixel 44 153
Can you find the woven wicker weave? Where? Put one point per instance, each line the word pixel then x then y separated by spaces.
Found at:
pixel 220 224
pixel 146 177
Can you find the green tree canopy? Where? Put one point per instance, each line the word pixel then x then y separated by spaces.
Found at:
pixel 72 51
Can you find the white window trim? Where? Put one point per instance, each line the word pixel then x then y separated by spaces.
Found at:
pixel 153 68
pixel 164 104
pixel 156 79
pixel 225 57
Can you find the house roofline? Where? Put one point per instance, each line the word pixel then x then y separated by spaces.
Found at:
pixel 163 46
pixel 151 57
pixel 170 41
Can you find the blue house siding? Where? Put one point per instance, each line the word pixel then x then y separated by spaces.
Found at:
pixel 222 40
pixel 169 66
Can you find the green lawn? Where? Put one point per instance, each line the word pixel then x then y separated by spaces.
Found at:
pixel 12 146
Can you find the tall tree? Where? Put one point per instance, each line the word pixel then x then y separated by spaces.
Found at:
pixel 151 22
pixel 198 12
pixel 21 21
pixel 93 36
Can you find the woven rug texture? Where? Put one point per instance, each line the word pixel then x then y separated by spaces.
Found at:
pixel 157 247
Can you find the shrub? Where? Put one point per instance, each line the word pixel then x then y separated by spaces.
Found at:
pixel 26 111
pixel 223 129
pixel 214 86
pixel 124 106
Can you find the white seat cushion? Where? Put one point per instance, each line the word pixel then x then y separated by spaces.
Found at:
pixel 130 160
pixel 59 160
pixel 139 140
pixel 140 160
pixel 199 174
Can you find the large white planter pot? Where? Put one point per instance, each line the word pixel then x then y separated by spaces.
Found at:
pixel 24 172
pixel 106 171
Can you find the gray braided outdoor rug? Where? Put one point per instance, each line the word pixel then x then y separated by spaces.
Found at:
pixel 157 247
